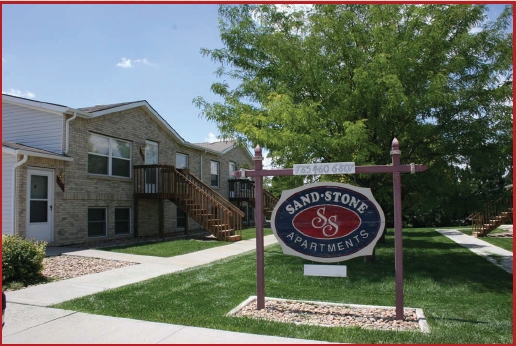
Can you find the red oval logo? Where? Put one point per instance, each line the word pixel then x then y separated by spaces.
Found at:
pixel 326 221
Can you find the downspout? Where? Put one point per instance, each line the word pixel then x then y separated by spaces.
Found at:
pixel 67 133
pixel 13 199
pixel 201 167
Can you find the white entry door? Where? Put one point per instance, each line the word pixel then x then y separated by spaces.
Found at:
pixel 40 203
pixel 151 174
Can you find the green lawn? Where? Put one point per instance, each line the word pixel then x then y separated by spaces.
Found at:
pixel 504 243
pixel 177 247
pixel 465 298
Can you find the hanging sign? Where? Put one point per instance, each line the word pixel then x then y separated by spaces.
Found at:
pixel 327 222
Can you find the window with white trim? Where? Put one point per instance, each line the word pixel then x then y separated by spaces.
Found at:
pixel 181 161
pixel 232 168
pixel 97 222
pixel 122 221
pixel 214 173
pixel 109 156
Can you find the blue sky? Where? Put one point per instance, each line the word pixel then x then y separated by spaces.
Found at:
pixel 83 55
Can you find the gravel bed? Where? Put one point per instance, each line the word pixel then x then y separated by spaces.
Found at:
pixel 499 235
pixel 289 311
pixel 66 267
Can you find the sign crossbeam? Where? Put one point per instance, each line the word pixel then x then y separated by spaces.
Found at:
pixel 358 170
pixel 395 168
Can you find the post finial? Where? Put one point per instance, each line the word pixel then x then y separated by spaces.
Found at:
pixel 395 144
pixel 258 151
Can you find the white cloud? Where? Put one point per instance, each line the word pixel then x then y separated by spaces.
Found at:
pixel 125 63
pixel 212 138
pixel 19 93
pixel 128 63
pixel 143 61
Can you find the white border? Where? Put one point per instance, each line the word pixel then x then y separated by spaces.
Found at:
pixel 366 251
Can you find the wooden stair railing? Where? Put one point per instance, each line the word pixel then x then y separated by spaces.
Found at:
pixel 270 202
pixel 237 214
pixel 166 182
pixel 493 215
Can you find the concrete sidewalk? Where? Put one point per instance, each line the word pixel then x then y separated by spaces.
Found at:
pixel 500 257
pixel 33 324
pixel 149 267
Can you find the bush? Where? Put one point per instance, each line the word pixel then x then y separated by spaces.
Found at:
pixel 22 259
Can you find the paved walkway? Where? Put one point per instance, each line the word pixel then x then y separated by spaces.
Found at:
pixel 500 257
pixel 30 320
pixel 149 267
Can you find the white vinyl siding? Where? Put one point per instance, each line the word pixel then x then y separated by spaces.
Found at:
pixel 32 127
pixel 8 162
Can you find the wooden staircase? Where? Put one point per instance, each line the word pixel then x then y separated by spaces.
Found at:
pixel 492 216
pixel 209 209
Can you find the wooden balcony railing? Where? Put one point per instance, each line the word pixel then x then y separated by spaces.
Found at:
pixel 241 189
pixel 244 190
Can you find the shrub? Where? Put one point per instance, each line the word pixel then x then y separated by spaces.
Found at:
pixel 22 259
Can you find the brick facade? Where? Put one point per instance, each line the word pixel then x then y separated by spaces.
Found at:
pixel 84 190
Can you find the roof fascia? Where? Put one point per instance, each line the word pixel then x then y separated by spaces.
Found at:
pixel 32 153
pixel 36 106
pixel 44 107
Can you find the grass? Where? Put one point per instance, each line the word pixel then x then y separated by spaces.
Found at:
pixel 465 298
pixel 177 247
pixel 504 243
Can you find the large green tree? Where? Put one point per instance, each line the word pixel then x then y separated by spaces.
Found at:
pixel 336 83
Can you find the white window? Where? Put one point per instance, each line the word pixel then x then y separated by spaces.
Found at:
pixel 181 161
pixel 232 168
pixel 109 156
pixel 97 222
pixel 122 221
pixel 214 173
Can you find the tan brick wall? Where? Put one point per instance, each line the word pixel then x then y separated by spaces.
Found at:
pixel 83 190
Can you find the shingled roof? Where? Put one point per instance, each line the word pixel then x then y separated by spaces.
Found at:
pixel 98 108
pixel 26 149
pixel 218 146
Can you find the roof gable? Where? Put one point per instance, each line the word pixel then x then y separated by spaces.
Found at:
pixel 223 147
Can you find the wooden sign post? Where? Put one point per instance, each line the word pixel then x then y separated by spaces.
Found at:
pixel 395 168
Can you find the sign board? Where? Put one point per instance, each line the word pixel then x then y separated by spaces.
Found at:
pixel 330 270
pixel 324 168
pixel 327 222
